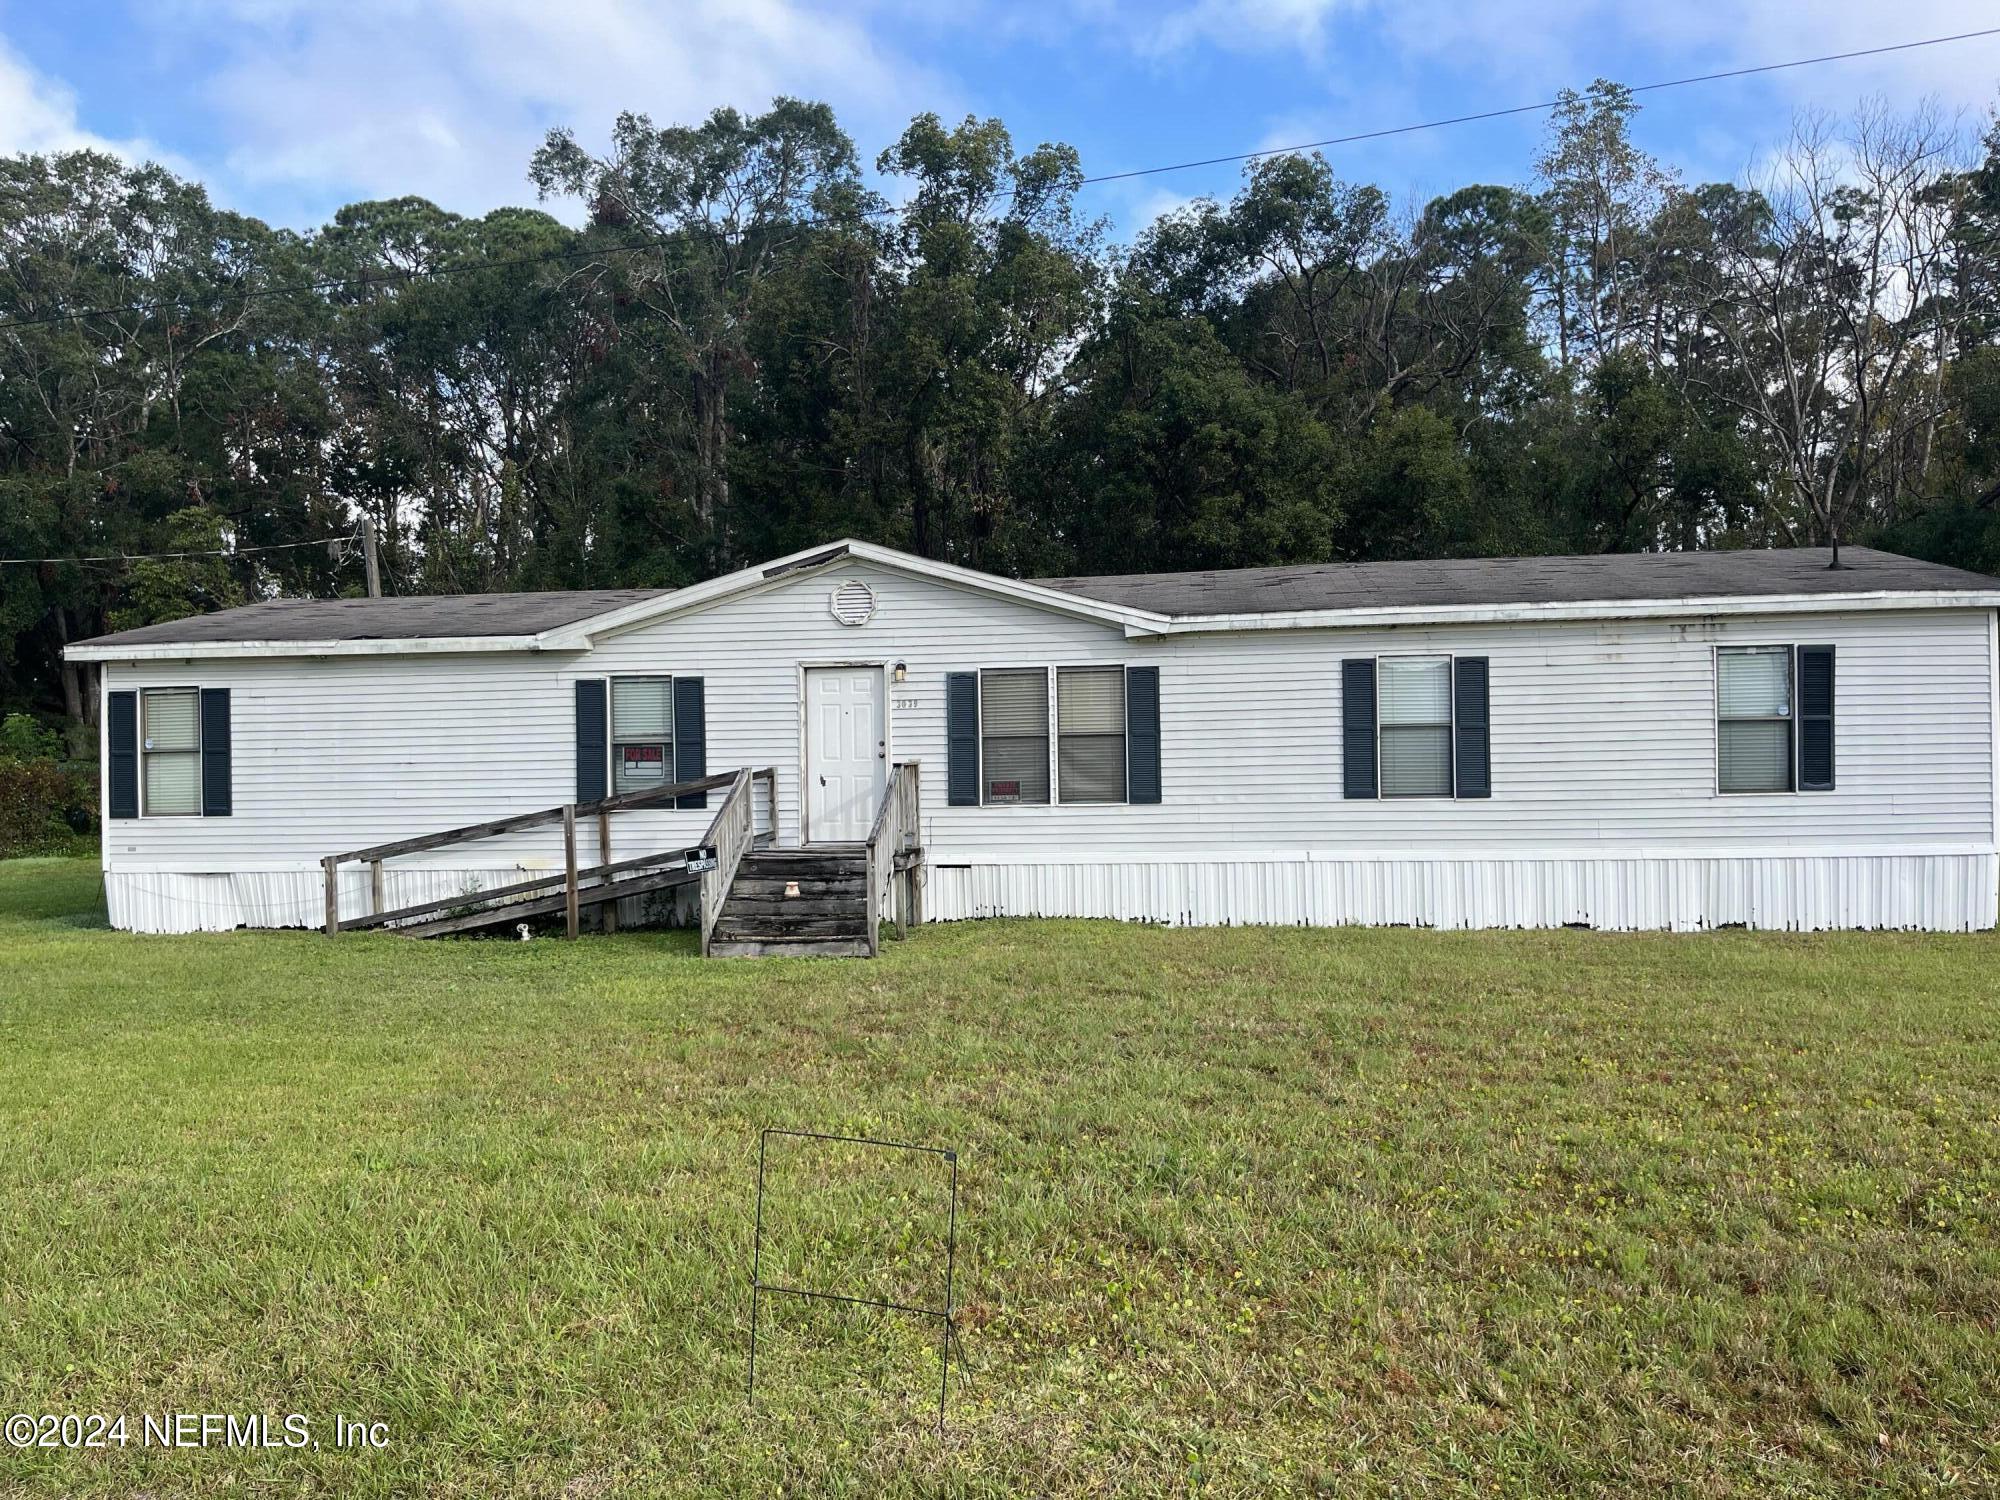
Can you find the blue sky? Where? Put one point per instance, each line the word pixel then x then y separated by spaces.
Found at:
pixel 289 108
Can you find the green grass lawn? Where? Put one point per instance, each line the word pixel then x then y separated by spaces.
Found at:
pixel 1242 1211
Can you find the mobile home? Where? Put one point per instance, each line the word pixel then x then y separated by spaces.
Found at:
pixel 1659 741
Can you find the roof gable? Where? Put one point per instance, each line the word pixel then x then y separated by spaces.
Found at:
pixel 818 560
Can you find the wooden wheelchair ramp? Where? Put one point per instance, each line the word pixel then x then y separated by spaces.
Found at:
pixel 756 900
pixel 568 894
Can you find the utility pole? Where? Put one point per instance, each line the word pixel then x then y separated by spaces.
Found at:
pixel 368 555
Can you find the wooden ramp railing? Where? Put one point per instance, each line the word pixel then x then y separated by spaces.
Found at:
pixel 601 884
pixel 730 834
pixel 894 851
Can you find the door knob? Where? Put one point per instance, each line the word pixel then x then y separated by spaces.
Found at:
pixel 822 781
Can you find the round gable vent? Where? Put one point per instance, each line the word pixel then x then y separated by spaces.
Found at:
pixel 853 603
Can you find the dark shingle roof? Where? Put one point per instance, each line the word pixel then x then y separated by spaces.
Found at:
pixel 1614 578
pixel 416 617
pixel 1609 577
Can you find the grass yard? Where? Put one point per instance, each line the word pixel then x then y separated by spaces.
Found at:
pixel 1243 1212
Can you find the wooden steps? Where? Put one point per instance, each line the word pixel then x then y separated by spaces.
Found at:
pixel 797 903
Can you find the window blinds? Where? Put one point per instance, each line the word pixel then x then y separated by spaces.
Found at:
pixel 1753 692
pixel 1755 683
pixel 1415 707
pixel 1756 756
pixel 1014 733
pixel 642 708
pixel 1415 690
pixel 1090 721
pixel 642 732
pixel 171 740
pixel 170 720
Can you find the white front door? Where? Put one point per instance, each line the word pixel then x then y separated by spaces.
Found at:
pixel 847 753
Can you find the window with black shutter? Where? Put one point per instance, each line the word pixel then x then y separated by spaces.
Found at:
pixel 1102 724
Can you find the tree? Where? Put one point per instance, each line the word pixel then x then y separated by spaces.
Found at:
pixel 743 352
pixel 142 368
pixel 701 216
pixel 1836 308
pixel 1169 456
pixel 1601 194
pixel 994 278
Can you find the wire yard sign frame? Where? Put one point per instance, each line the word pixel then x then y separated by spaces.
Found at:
pixel 945 1316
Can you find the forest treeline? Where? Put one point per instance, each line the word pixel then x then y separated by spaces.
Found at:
pixel 717 343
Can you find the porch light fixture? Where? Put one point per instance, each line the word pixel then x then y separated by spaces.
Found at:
pixel 899 673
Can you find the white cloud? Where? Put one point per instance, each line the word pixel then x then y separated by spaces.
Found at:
pixel 1142 204
pixel 328 100
pixel 38 114
pixel 1248 25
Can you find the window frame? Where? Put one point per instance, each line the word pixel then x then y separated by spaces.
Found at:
pixel 1450 726
pixel 145 754
pixel 1790 719
pixel 1056 798
pixel 1048 707
pixel 612 743
pixel 1052 686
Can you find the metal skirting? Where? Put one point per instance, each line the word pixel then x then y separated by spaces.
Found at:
pixel 1925 892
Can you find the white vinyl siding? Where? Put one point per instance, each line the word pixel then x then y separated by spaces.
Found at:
pixel 1414 697
pixel 1090 728
pixel 1604 734
pixel 642 733
pixel 1014 735
pixel 1753 697
pixel 170 752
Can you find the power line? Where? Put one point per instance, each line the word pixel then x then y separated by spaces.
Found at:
pixel 401 277
pixel 1524 109
pixel 168 556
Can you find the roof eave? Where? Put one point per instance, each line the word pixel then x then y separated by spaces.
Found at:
pixel 1601 609
pixel 94 651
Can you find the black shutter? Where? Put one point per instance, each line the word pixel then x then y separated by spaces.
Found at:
pixel 1469 713
pixel 690 738
pixel 961 738
pixel 591 760
pixel 121 742
pixel 1142 734
pixel 1357 728
pixel 215 789
pixel 1815 718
